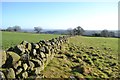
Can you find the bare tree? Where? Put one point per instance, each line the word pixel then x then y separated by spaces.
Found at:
pixel 37 29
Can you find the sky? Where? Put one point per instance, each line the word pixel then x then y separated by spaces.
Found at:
pixel 61 15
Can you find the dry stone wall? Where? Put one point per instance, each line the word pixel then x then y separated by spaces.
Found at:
pixel 27 60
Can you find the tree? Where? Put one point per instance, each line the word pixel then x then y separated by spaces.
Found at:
pixel 104 33
pixel 111 34
pixel 80 30
pixel 9 29
pixel 74 31
pixel 16 28
pixel 37 29
pixel 96 34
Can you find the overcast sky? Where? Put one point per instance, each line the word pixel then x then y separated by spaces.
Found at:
pixel 61 15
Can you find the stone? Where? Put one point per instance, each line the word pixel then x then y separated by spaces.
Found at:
pixel 2 57
pixel 36 62
pixel 17 64
pixel 38 57
pixel 19 49
pixel 42 49
pixel 84 69
pixel 36 46
pixel 10 74
pixel 52 43
pixel 42 55
pixel 25 66
pixel 34 52
pixel 24 42
pixel 2 76
pixel 89 61
pixel 37 51
pixel 46 49
pixel 91 47
pixel 47 44
pixel 52 51
pixel 53 40
pixel 33 46
pixel 19 71
pixel 29 46
pixel 95 54
pixel 42 41
pixel 72 77
pixel 25 57
pixel 37 70
pixel 24 74
pixel 15 57
pixel 113 64
pixel 31 65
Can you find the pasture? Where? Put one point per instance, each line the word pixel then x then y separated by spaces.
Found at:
pixel 13 38
pixel 81 57
pixel 86 57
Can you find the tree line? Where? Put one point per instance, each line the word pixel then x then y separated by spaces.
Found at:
pixel 80 31
pixel 18 28
pixel 104 33
pixel 76 31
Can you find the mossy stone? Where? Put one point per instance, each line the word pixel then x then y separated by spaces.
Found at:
pixel 24 74
pixel 25 66
pixel 19 71
pixel 37 70
pixel 42 54
pixel 17 64
pixel 36 46
pixel 3 57
pixel 34 52
pixel 78 75
pixel 15 57
pixel 31 65
pixel 36 62
pixel 29 46
pixel 89 61
pixel 19 49
pixel 2 76
pixel 24 42
pixel 10 74
pixel 25 57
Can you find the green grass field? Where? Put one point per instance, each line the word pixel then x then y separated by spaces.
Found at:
pixel 97 42
pixel 82 57
pixel 86 57
pixel 13 38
